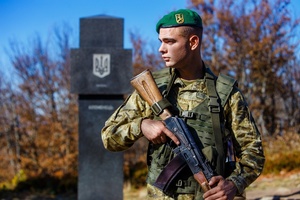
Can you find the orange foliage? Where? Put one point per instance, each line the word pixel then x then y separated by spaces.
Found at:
pixel 39 117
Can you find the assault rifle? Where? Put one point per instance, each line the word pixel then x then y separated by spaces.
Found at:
pixel 187 149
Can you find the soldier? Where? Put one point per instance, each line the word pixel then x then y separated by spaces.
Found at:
pixel 191 87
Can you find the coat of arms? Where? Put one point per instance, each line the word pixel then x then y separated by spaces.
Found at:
pixel 101 65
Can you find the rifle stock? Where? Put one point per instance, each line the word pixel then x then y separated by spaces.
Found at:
pixel 145 85
pixel 147 88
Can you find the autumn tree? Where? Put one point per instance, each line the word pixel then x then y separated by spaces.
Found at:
pixel 9 136
pixel 43 113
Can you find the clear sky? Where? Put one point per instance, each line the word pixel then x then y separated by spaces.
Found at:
pixel 20 20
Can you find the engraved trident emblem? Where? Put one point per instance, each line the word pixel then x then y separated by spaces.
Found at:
pixel 101 65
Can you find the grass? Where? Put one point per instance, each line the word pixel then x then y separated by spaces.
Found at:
pixel 282 153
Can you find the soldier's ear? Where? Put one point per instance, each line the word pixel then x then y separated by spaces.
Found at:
pixel 194 42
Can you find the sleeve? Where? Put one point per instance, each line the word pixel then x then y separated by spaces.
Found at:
pixel 247 142
pixel 122 128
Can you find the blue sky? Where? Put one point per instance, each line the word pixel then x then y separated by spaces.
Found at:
pixel 20 20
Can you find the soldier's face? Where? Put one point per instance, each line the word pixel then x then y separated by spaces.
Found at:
pixel 174 48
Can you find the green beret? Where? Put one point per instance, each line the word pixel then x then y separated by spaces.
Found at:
pixel 182 17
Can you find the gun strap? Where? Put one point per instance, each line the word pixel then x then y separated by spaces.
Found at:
pixel 169 174
pixel 158 107
pixel 214 106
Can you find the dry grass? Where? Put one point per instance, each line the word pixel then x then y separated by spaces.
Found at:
pixel 282 153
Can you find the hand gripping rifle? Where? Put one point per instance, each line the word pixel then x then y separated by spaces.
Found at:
pixel 187 149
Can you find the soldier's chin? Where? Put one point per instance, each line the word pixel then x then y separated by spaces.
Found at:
pixel 170 65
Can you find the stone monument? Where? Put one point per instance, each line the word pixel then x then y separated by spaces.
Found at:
pixel 100 74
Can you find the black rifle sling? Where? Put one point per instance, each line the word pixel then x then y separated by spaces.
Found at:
pixel 214 106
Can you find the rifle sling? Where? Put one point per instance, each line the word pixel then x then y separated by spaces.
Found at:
pixel 158 107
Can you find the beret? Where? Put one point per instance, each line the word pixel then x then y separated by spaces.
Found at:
pixel 182 17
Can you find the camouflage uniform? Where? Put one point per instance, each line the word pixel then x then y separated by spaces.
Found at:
pixel 123 128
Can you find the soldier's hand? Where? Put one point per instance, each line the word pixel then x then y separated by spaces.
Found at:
pixel 156 132
pixel 220 189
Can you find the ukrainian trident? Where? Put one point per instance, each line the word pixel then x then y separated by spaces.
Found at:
pixel 101 65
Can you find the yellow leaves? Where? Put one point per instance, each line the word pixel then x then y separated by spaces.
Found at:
pixel 19 177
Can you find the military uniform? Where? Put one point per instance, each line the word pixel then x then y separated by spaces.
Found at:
pixel 122 129
pixel 191 100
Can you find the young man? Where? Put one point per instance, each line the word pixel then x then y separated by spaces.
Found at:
pixel 190 87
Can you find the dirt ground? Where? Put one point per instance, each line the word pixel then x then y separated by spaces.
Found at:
pixel 272 187
pixel 282 186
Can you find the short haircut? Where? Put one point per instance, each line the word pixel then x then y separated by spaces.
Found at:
pixel 187 31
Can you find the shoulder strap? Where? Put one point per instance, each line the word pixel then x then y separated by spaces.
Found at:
pixel 214 106
pixel 224 87
pixel 170 84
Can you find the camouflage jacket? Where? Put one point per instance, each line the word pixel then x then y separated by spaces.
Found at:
pixel 122 129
